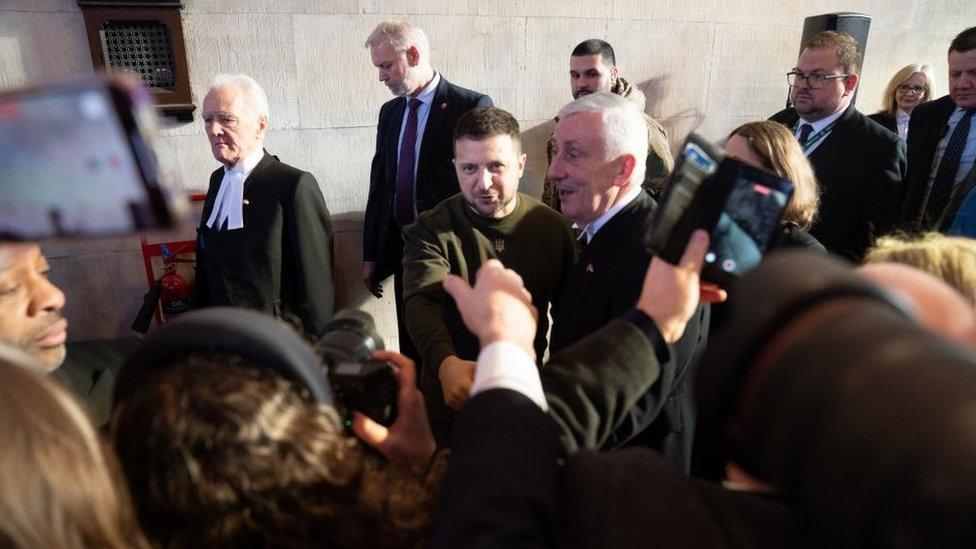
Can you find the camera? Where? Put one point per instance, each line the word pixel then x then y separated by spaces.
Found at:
pixel 738 205
pixel 360 383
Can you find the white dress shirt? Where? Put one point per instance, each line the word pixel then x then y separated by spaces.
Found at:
pixel 505 365
pixel 901 120
pixel 598 223
pixel 229 203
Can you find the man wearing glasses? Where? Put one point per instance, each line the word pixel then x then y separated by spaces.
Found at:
pixel 858 163
pixel 942 152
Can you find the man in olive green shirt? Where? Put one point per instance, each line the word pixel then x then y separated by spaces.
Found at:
pixel 489 219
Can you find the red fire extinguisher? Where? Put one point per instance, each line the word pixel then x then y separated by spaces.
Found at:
pixel 171 292
pixel 175 296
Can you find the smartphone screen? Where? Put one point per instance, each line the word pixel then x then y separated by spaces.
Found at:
pixel 68 166
pixel 747 223
pixel 698 160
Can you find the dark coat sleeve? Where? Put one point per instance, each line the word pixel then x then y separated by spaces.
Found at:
pixel 202 293
pixel 593 385
pixel 885 120
pixel 426 304
pixel 502 484
pixel 887 189
pixel 308 232
pixel 372 218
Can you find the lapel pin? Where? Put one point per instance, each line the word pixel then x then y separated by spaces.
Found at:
pixel 246 202
pixel 443 106
pixel 589 268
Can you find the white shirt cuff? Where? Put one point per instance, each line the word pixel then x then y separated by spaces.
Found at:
pixel 505 365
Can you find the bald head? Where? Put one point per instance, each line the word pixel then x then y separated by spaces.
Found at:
pixel 939 307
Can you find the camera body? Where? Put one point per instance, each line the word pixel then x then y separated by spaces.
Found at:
pixel 738 205
pixel 359 383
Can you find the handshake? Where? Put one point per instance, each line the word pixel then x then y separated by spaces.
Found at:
pixel 498 308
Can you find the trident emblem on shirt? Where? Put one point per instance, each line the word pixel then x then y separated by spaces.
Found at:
pixel 499 245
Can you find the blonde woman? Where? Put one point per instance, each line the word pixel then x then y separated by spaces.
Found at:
pixel 950 258
pixel 908 88
pixel 59 486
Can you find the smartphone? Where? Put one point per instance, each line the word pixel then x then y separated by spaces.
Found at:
pixel 698 161
pixel 739 205
pixel 753 206
pixel 80 159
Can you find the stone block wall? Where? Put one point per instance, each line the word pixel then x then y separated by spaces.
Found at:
pixel 706 65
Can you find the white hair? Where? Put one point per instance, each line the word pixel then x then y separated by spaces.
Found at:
pixel 625 131
pixel 400 34
pixel 253 92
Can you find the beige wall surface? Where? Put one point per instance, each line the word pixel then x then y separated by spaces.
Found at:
pixel 705 65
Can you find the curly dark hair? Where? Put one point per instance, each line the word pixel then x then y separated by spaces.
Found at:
pixel 218 451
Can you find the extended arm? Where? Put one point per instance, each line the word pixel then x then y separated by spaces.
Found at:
pixel 425 301
pixel 502 485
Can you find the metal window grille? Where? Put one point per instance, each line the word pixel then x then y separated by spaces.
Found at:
pixel 143 47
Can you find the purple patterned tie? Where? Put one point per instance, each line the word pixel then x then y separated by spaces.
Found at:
pixel 403 201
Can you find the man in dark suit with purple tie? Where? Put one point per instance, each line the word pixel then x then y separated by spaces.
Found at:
pixel 412 170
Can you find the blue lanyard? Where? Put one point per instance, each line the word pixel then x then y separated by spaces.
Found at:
pixel 813 139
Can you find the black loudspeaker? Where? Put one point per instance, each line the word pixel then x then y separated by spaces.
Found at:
pixel 855 24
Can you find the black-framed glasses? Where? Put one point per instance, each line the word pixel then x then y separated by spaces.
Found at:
pixel 918 90
pixel 813 80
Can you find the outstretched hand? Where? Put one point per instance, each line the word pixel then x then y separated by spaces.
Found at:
pixel 497 308
pixel 671 293
pixel 408 441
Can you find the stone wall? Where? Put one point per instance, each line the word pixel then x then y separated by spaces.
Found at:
pixel 708 66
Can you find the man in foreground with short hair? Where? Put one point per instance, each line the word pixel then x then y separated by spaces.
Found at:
pixel 489 219
pixel 593 69
pixel 858 162
pixel 598 147
pixel 411 171
pixel 942 151
pixel 265 235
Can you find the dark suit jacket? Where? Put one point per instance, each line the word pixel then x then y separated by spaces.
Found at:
pixel 860 167
pixel 504 487
pixel 605 283
pixel 435 181
pixel 281 261
pixel 885 120
pixel 590 386
pixel 926 128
